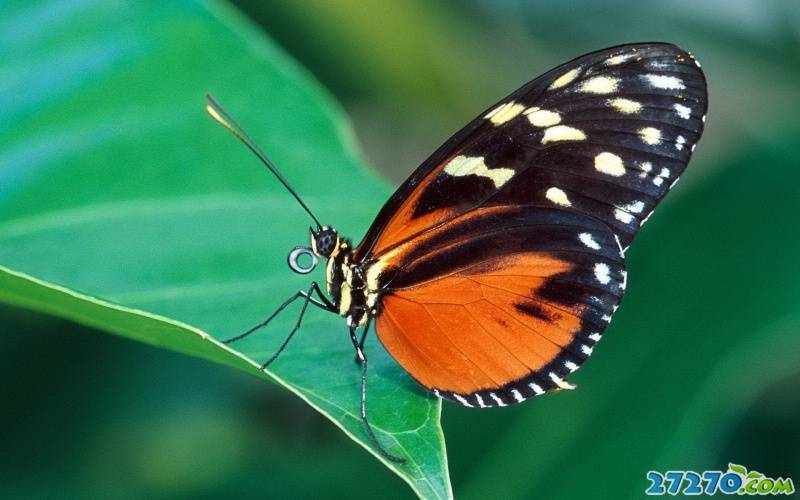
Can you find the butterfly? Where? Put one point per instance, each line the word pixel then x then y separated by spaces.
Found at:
pixel 494 269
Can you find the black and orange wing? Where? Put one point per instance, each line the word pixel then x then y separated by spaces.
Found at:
pixel 504 310
pixel 611 131
pixel 496 267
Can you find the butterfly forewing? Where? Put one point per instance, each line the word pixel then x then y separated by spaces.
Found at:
pixel 497 265
pixel 611 131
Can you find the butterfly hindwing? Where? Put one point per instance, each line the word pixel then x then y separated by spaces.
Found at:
pixel 505 313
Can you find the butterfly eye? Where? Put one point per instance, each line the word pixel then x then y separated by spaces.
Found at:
pixel 325 242
pixel 298 256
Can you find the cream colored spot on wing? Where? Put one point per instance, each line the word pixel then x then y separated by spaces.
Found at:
pixel 562 133
pixel 558 197
pixel 618 59
pixel 565 79
pixel 474 165
pixel 622 215
pixel 542 117
pixel 664 82
pixel 505 112
pixel 600 85
pixel 650 135
pixel 561 383
pixel 683 111
pixel 626 106
pixel 646 167
pixel 609 163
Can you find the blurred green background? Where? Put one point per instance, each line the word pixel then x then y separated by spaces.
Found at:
pixel 701 366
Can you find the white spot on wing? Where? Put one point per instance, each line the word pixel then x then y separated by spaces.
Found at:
pixel 664 82
pixel 659 179
pixel 684 112
pixel 595 336
pixel 602 273
pixel 542 117
pixel 474 165
pixel 462 400
pixel 586 350
pixel 588 240
pixel 609 163
pixel 646 168
pixel 536 389
pixel 517 395
pixel 558 197
pixel 679 142
pixel 562 133
pixel 569 365
pixel 623 216
pixel 480 401
pixel 497 399
pixel 565 79
pixel 600 85
pixel 505 112
pixel 626 106
pixel 636 207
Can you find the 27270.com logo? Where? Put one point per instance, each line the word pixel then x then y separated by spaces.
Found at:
pixel 737 480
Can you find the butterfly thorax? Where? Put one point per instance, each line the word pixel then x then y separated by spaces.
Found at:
pixel 346 285
pixel 345 280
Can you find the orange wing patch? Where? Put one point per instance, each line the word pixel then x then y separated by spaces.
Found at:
pixel 404 223
pixel 481 328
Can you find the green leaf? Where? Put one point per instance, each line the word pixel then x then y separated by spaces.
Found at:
pixel 114 183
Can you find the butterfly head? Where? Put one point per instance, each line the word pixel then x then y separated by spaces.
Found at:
pixel 324 242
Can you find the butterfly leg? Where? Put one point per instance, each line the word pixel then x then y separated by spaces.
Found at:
pixel 364 333
pixel 363 360
pixel 322 302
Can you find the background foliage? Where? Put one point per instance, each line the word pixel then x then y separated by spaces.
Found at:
pixel 699 367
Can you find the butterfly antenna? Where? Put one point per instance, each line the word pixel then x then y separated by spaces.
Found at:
pixel 223 118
